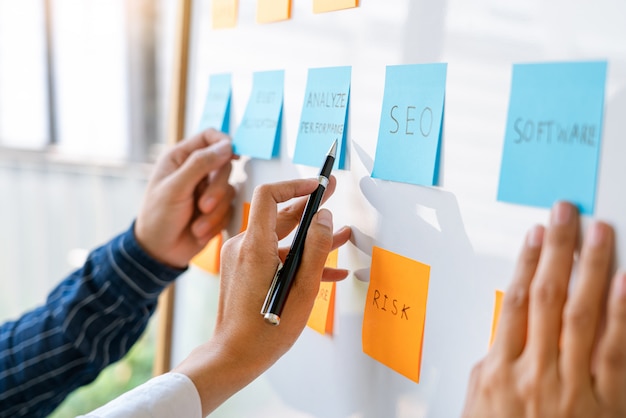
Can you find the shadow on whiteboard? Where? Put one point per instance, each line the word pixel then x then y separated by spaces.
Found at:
pixel 332 377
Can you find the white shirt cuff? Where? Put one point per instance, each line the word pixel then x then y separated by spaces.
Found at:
pixel 165 396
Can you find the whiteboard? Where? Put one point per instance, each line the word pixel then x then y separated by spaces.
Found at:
pixel 469 239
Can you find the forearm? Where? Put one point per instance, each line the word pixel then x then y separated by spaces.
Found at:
pixel 89 321
pixel 217 375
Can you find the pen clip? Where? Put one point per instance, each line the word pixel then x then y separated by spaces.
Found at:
pixel 270 292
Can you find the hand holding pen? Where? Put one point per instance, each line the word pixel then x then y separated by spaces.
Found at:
pixel 285 273
pixel 249 261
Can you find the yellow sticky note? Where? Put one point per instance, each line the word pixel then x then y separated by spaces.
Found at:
pixel 332 259
pixel 496 315
pixel 321 6
pixel 268 11
pixel 323 313
pixel 209 258
pixel 244 217
pixel 395 312
pixel 224 13
pixel 322 316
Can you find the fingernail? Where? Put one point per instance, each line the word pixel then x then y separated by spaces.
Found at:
pixel 562 213
pixel 534 239
pixel 223 148
pixel 324 217
pixel 597 234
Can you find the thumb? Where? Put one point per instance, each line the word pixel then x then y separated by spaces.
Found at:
pixel 199 164
pixel 318 244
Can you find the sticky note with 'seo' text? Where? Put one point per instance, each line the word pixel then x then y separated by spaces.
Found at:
pixel 409 136
pixel 395 312
pixel 497 306
pixel 324 116
pixel 224 13
pixel 216 112
pixel 322 316
pixel 268 11
pixel 322 6
pixel 258 134
pixel 553 134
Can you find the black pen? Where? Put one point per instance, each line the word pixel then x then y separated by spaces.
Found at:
pixel 286 272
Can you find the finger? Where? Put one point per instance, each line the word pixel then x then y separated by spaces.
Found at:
pixel 211 223
pixel 611 376
pixel 330 274
pixel 215 195
pixel 334 275
pixel 197 164
pixel 316 248
pixel 548 290
pixel 217 189
pixel 265 200
pixel 199 141
pixel 511 331
pixel 289 217
pixel 339 238
pixel 583 308
pixel 474 384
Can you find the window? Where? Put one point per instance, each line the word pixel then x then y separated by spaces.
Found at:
pixel 83 83
pixel 23 75
pixel 85 78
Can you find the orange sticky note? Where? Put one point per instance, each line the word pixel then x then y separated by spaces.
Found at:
pixel 496 315
pixel 395 312
pixel 322 316
pixel 209 258
pixel 321 6
pixel 268 11
pixel 224 13
pixel 244 218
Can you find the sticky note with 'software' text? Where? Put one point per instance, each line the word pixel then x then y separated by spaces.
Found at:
pixel 395 312
pixel 553 134
pixel 409 136
pixel 216 113
pixel 258 134
pixel 324 116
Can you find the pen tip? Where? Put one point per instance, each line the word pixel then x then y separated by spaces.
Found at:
pixel 333 149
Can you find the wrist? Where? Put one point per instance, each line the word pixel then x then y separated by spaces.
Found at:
pixel 217 374
pixel 145 243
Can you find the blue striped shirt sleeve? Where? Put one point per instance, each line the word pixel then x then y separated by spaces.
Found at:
pixel 90 320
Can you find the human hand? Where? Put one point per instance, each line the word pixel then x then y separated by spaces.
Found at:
pixel 554 354
pixel 244 345
pixel 188 199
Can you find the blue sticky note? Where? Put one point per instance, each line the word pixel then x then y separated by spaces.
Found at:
pixel 409 135
pixel 258 135
pixel 553 134
pixel 324 116
pixel 216 113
